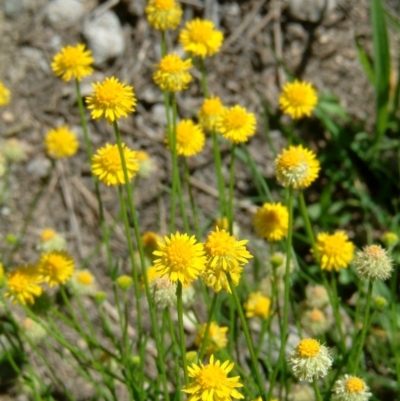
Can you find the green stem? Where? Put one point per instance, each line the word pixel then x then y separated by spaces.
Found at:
pixel 163 44
pixel 207 329
pixel 285 322
pixel 203 78
pixel 307 223
pixel 231 184
pixel 364 328
pixel 316 390
pixel 153 318
pixel 220 178
pixel 191 197
pixel 181 332
pixel 248 338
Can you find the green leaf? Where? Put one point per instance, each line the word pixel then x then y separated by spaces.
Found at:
pixel 365 63
pixel 381 65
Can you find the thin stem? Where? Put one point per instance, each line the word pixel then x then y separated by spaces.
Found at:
pixel 207 329
pixel 191 197
pixel 285 322
pixel 364 328
pixel 203 78
pixel 316 390
pixel 181 332
pixel 231 184
pixel 307 223
pixel 248 338
pixel 220 178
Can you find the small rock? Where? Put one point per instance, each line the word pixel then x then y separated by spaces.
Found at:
pixel 63 14
pixel 105 36
pixel 35 59
pixel 159 114
pixel 8 117
pixel 311 10
pixel 39 167
pixel 14 8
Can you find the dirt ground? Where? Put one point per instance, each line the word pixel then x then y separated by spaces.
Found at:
pixel 257 33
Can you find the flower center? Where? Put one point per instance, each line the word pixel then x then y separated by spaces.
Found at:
pixel 334 246
pixel 71 57
pixel 112 160
pixel 374 251
pixel 355 385
pixel 220 243
pixel 84 278
pixel 261 307
pixel 164 4
pixel 47 234
pixel 211 377
pixel 308 348
pixel 179 255
pixel 298 96
pixel 108 94
pixel 316 315
pixel 212 107
pixel 171 64
pixel 236 118
pixel 201 33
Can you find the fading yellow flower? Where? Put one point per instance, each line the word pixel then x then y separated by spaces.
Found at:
pixel 111 99
pixel 13 150
pixel 298 99
pixel 271 221
pixel 210 113
pixel 23 284
pixel 216 338
pixel 258 305
pixel 200 38
pixel 211 382
pixel 56 267
pixel 171 74
pixel 373 263
pixel 61 142
pixel 163 14
pixel 107 164
pixel 190 138
pixel 83 283
pixel 350 388
pixel 4 95
pixel 180 258
pixel 236 124
pixel 335 251
pixel 296 167
pixel 73 62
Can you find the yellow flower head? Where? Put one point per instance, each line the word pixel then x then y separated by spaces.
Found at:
pixel 180 258
pixel 297 167
pixel 210 113
pixel 373 263
pixel 23 284
pixel 72 62
pixel 47 234
pixel 211 382
pixel 257 305
pixel 150 242
pixel 163 14
pixel 171 74
pixel 107 165
pixel 216 338
pixel 56 267
pixel 335 250
pixel 61 142
pixel 236 124
pixel 82 283
pixel 200 38
pixel 350 388
pixel 271 221
pixel 298 99
pixel 190 138
pixel 111 99
pixel 84 277
pixel 310 360
pixel 4 95
pixel 225 252
pixel 216 278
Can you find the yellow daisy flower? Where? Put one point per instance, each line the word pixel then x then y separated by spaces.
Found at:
pixel 216 338
pixel 211 382
pixel 180 258
pixel 163 14
pixel 111 99
pixel 61 142
pixel 171 74
pixel 271 221
pixel 23 284
pixel 335 250
pixel 298 99
pixel 73 62
pixel 210 113
pixel 107 165
pixel 297 167
pixel 217 279
pixel 236 124
pixel 257 305
pixel 4 95
pixel 190 138
pixel 200 38
pixel 56 267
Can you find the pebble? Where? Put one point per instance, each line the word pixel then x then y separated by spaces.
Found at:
pixel 310 10
pixel 105 36
pixel 63 14
pixel 14 8
pixel 39 167
pixel 159 114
